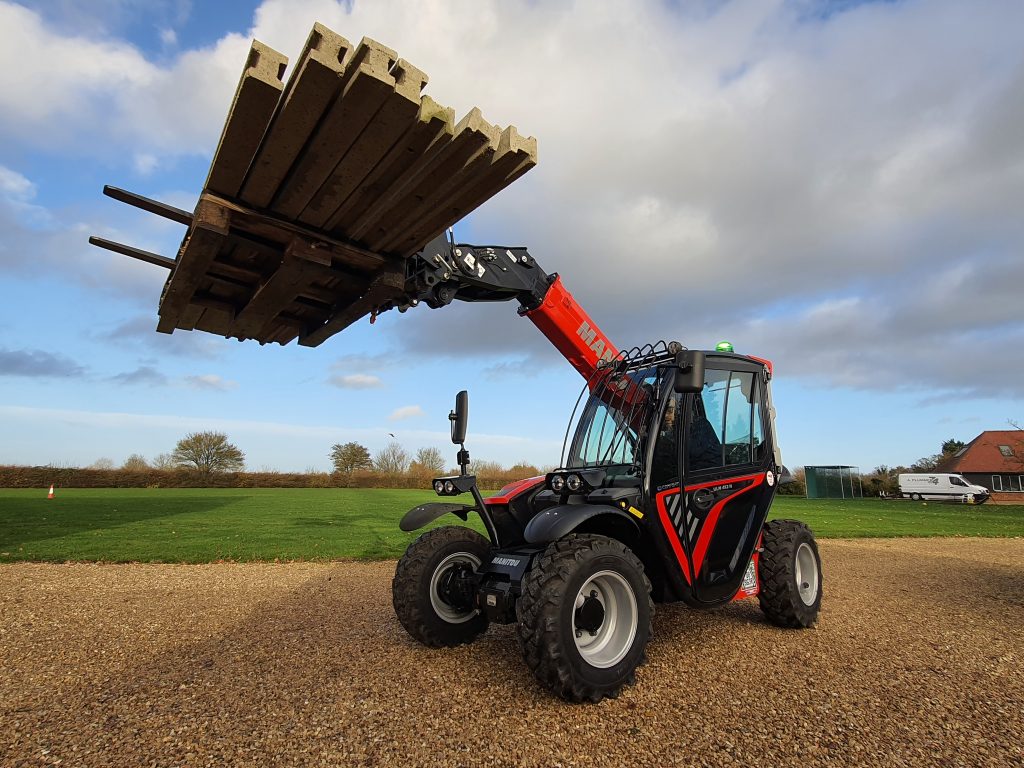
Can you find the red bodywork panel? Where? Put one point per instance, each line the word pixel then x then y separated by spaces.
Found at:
pixel 566 325
pixel 510 491
pixel 569 328
pixel 767 363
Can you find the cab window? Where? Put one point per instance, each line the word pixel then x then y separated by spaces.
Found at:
pixel 665 469
pixel 725 422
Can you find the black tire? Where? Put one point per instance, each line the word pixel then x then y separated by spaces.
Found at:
pixel 416 591
pixel 916 497
pixel 789 551
pixel 553 607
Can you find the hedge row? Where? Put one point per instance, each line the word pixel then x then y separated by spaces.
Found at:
pixel 72 477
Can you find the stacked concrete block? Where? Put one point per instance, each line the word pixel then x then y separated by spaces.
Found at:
pixel 321 187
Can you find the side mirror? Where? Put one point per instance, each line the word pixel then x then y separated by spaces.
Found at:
pixel 689 372
pixel 459 417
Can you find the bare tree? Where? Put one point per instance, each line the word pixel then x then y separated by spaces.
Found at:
pixel 164 461
pixel 349 457
pixel 102 463
pixel 208 452
pixel 428 461
pixel 135 463
pixel 391 460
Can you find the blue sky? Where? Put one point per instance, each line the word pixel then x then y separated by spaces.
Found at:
pixel 832 186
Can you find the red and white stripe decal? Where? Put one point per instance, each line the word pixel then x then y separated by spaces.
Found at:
pixel 670 531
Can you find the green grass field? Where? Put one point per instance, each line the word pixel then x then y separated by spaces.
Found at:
pixel 206 525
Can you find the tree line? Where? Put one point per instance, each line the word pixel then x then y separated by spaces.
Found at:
pixel 209 453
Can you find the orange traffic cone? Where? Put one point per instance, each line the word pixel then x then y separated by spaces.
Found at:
pixel 50 494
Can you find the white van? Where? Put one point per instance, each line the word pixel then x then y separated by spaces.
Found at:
pixel 941 487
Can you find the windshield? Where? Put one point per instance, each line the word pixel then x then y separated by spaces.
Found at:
pixel 610 423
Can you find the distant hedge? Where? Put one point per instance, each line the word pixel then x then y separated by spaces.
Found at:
pixel 73 477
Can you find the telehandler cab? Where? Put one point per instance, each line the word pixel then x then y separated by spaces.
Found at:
pixel 668 472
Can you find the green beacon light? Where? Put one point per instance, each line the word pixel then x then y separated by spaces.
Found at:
pixel 723 346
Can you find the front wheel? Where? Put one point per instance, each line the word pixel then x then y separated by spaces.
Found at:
pixel 585 617
pixel 433 590
pixel 790 573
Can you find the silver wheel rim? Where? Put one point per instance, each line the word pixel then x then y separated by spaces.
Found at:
pixel 610 643
pixel 441 608
pixel 806 574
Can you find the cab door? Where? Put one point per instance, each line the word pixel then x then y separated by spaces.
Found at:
pixel 728 472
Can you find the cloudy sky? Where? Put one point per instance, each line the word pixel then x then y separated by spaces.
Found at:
pixel 836 186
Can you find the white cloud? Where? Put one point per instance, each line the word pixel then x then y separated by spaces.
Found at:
pixel 15 187
pixel 699 167
pixel 210 381
pixel 64 91
pixel 145 163
pixel 357 381
pixel 406 412
pixel 168 37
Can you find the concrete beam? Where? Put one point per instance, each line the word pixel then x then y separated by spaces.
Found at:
pixel 380 134
pixel 433 127
pixel 472 135
pixel 313 86
pixel 256 97
pixel 366 84
pixel 441 188
pixel 515 156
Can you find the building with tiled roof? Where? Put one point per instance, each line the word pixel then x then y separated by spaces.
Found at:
pixel 994 459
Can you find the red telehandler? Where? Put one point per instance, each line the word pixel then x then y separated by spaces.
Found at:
pixel 320 195
pixel 668 472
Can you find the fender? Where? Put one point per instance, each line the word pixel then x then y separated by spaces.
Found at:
pixel 419 516
pixel 556 522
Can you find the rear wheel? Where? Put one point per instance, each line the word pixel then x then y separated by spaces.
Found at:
pixel 433 590
pixel 915 497
pixel 789 569
pixel 585 617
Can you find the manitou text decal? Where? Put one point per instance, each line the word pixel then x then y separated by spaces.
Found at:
pixel 511 562
pixel 595 343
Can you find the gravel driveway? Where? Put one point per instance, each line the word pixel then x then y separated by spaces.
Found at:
pixel 916 661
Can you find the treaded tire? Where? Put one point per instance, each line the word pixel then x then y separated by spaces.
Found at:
pixel 412 585
pixel 547 608
pixel 780 596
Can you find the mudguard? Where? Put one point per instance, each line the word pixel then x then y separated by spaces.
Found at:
pixel 419 516
pixel 556 522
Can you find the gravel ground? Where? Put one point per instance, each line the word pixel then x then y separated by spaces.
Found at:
pixel 916 661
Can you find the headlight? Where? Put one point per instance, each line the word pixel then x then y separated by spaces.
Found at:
pixel 449 486
pixel 439 486
pixel 557 483
pixel 574 483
